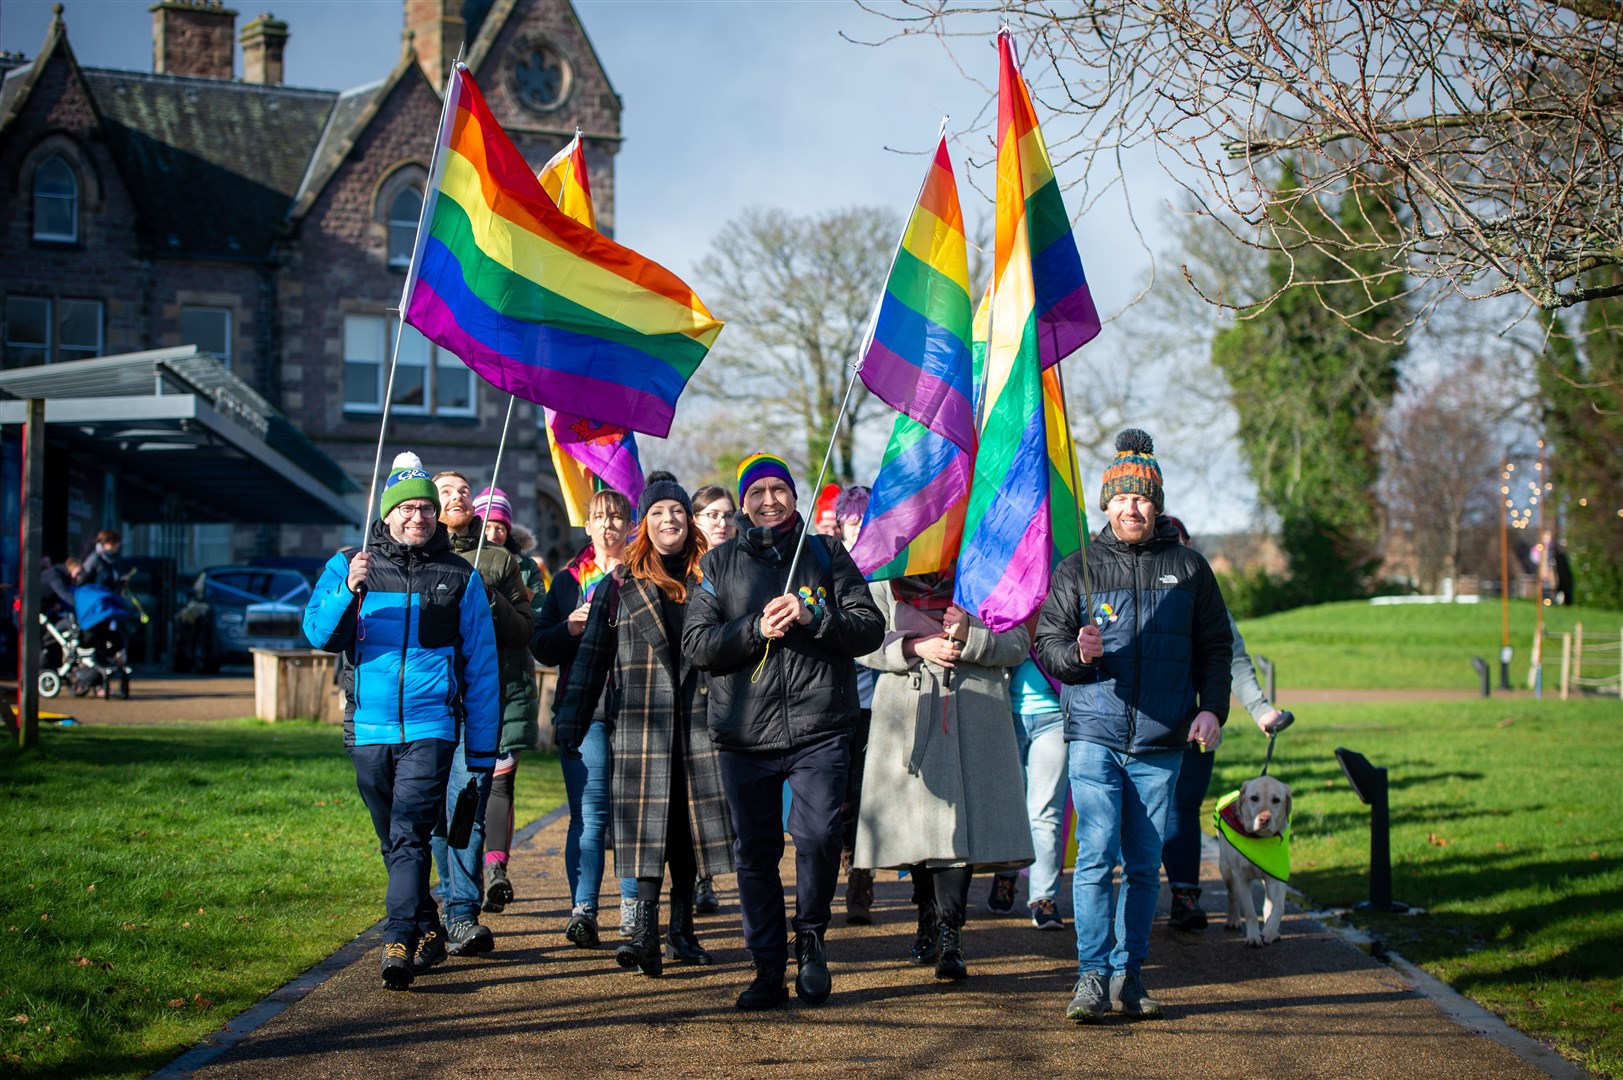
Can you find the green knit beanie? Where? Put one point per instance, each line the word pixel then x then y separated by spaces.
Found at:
pixel 407 480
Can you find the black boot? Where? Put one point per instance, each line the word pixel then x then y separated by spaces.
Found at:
pixel 642 949
pixel 812 982
pixel 680 942
pixel 924 942
pixel 949 962
pixel 767 991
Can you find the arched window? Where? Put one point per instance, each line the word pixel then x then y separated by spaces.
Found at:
pixel 404 210
pixel 56 201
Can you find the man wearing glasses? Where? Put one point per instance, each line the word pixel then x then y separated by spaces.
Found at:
pixel 462 870
pixel 419 675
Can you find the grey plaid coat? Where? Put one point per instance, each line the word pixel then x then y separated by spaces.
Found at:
pixel 624 651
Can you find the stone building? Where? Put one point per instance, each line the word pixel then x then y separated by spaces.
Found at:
pixel 271 226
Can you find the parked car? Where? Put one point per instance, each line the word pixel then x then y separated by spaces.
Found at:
pixel 237 608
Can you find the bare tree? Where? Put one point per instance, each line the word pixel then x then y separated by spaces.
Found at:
pixel 797 293
pixel 1441 455
pixel 1488 129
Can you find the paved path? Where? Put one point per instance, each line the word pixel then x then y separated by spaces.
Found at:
pixel 1310 1006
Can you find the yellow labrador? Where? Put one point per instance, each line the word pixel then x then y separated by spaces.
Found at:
pixel 1258 822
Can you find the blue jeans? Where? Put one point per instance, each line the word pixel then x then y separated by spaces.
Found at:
pixel 587 775
pixel 1180 850
pixel 1122 802
pixel 462 870
pixel 1043 760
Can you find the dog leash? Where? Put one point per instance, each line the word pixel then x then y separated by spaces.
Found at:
pixel 1285 720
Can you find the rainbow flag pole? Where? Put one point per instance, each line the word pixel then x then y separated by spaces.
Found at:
pixel 435 166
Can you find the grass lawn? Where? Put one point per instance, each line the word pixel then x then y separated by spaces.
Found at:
pixel 1504 828
pixel 1415 646
pixel 158 880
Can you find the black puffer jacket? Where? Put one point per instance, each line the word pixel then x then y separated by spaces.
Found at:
pixel 808 686
pixel 1166 637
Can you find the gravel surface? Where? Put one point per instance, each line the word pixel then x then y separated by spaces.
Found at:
pixel 1309 1006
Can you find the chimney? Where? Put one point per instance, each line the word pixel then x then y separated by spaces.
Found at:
pixel 263 41
pixel 437 31
pixel 193 37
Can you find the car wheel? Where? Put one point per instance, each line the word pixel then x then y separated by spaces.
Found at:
pixel 50 684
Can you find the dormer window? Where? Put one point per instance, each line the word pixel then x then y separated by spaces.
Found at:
pixel 56 201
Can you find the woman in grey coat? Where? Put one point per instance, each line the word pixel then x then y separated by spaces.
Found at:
pixel 667 802
pixel 942 793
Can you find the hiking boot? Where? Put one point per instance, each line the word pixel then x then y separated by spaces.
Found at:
pixel 680 941
pixel 430 952
pixel 466 937
pixel 924 942
pixel 396 966
pixel 704 897
pixel 582 928
pixel 812 981
pixel 1045 915
pixel 641 950
pixel 499 893
pixel 767 991
pixel 1128 995
pixel 949 963
pixel 1001 901
pixel 1091 1002
pixel 859 897
pixel 1187 914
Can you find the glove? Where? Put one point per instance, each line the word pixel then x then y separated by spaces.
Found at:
pixel 566 737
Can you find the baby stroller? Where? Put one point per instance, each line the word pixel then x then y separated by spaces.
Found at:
pixel 90 644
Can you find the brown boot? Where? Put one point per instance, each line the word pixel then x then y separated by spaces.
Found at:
pixel 859 897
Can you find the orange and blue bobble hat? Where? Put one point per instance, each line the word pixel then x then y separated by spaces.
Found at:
pixel 1135 470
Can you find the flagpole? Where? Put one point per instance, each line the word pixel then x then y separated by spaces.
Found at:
pixel 436 165
pixel 494 472
pixel 806 522
pixel 1076 484
pixel 856 370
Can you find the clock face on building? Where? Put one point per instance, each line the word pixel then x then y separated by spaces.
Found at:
pixel 540 78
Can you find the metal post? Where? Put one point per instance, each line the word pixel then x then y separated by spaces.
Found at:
pixel 1566 665
pixel 1380 846
pixel 1481 666
pixel 28 578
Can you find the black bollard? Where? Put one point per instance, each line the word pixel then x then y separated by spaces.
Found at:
pixel 1369 784
pixel 1481 666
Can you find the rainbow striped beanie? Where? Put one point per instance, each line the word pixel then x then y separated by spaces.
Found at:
pixel 1135 470
pixel 759 466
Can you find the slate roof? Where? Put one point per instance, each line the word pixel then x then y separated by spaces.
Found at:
pixel 213 165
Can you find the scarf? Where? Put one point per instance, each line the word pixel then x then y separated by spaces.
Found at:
pixel 586 571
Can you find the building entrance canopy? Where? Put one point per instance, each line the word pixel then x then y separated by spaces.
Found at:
pixel 192 442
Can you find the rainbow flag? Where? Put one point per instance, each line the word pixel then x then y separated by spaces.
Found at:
pixel 586 455
pixel 1040 312
pixel 917 359
pixel 538 304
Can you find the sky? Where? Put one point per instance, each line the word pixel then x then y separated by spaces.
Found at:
pixel 727 105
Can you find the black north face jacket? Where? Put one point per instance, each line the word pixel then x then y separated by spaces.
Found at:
pixel 1167 642
pixel 807 688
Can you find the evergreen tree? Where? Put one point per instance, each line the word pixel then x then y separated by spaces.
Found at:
pixel 1311 372
pixel 1582 388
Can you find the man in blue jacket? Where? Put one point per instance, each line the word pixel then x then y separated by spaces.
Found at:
pixel 1145 663
pixel 419 674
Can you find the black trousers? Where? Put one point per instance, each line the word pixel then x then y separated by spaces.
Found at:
pixel 853 782
pixel 946 889
pixel 679 854
pixel 816 775
pixel 403 787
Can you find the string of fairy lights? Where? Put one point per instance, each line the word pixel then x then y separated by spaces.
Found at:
pixel 1521 499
